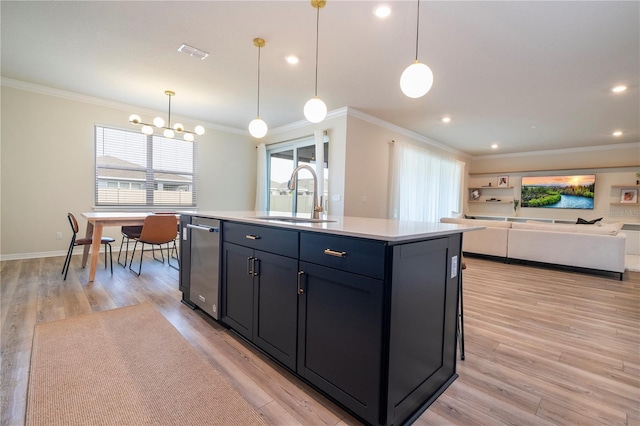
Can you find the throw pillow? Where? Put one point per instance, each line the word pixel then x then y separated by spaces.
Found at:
pixel 582 221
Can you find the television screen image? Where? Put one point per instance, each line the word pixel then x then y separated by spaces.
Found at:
pixel 558 192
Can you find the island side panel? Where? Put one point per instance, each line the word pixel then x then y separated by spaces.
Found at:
pixel 422 338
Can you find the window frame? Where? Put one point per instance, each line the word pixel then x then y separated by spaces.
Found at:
pixel 150 182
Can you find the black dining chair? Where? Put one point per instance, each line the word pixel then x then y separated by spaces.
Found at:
pixel 128 233
pixel 157 229
pixel 75 241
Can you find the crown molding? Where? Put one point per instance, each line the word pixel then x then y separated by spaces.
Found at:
pixel 401 130
pixel 77 97
pixel 301 124
pixel 631 145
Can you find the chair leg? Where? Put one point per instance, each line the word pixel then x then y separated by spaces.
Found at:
pixel 67 261
pixel 110 257
pixel 169 257
pixel 133 255
pixel 126 252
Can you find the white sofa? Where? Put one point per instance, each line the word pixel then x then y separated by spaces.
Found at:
pixel 600 246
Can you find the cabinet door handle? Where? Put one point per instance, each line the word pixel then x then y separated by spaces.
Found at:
pixel 300 289
pixel 255 266
pixel 335 253
pixel 249 265
pixel 252 237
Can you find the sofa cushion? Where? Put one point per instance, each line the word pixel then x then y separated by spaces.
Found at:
pixel 477 222
pixel 601 229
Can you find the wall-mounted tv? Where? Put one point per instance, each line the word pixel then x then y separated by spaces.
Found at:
pixel 558 192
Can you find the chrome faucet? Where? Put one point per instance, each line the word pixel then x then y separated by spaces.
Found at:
pixel 317 206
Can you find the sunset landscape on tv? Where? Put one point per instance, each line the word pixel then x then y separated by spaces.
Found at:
pixel 558 192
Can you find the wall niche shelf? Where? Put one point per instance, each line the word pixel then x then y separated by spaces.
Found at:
pixel 616 195
pixel 490 195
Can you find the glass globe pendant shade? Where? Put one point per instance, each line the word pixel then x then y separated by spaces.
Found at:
pixel 158 122
pixel 416 80
pixel 147 130
pixel 199 130
pixel 168 133
pixel 258 128
pixel 315 110
pixel 135 119
pixel 178 127
pixel 188 137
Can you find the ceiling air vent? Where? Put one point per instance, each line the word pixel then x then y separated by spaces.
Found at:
pixel 192 51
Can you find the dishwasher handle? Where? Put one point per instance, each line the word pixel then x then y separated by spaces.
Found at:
pixel 204 228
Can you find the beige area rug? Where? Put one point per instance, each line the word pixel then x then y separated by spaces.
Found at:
pixel 127 366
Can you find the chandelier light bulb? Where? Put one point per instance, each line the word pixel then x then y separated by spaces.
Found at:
pixel 168 133
pixel 315 110
pixel 416 80
pixel 158 122
pixel 258 128
pixel 147 130
pixel 135 119
pixel 188 137
pixel 178 127
pixel 199 130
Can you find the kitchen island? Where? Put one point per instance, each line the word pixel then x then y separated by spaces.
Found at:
pixel 362 309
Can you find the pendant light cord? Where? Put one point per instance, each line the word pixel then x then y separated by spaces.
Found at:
pixel 417 30
pixel 258 112
pixel 169 117
pixel 317 37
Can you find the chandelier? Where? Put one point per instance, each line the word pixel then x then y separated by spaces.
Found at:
pixel 168 131
pixel 315 110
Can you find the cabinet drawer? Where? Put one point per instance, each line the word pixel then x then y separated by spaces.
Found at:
pixel 344 253
pixel 273 240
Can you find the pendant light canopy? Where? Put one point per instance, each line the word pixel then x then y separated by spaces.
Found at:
pixel 168 131
pixel 258 128
pixel 417 78
pixel 315 110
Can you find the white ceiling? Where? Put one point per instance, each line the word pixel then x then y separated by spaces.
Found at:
pixel 528 76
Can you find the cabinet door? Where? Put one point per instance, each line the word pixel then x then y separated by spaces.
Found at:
pixel 237 289
pixel 276 306
pixel 340 336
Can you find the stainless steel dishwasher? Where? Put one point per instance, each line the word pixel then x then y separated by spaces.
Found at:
pixel 204 290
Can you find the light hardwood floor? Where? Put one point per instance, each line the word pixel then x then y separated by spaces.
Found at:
pixel 543 346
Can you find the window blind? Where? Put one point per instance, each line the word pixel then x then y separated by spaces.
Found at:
pixel 133 169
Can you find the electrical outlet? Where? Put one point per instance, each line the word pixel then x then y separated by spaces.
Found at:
pixel 58 235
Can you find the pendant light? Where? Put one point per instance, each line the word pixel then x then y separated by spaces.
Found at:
pixel 417 78
pixel 258 128
pixel 168 131
pixel 315 110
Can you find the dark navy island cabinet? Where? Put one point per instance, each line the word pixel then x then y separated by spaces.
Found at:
pixel 370 323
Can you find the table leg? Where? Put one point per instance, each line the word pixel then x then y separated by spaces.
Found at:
pixel 85 249
pixel 95 250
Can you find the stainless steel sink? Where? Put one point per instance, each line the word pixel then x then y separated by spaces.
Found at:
pixel 292 219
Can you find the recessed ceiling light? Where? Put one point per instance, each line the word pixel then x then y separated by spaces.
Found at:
pixel 617 133
pixel 494 146
pixel 446 119
pixel 292 59
pixel 382 11
pixel 619 89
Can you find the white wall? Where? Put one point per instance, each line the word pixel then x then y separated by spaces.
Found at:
pixel 47 168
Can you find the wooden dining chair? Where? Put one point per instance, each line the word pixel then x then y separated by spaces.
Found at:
pixel 156 230
pixel 75 241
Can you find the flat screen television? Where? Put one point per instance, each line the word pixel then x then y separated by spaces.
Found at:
pixel 558 192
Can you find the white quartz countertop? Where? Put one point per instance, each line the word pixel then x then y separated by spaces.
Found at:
pixel 371 228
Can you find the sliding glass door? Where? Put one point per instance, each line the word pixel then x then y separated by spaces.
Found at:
pixel 282 160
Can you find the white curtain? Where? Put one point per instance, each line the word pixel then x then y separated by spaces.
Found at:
pixel 424 187
pixel 261 183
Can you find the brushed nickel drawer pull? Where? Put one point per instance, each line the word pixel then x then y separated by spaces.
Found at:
pixel 335 253
pixel 252 237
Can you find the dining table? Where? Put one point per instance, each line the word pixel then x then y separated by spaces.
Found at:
pixel 96 221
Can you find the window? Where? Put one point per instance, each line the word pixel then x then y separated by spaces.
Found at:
pixel 424 186
pixel 133 169
pixel 282 159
